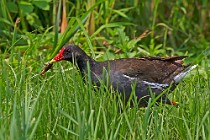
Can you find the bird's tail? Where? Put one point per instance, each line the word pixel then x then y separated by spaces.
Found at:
pixel 181 75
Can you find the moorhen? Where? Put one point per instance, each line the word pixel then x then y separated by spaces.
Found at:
pixel 149 75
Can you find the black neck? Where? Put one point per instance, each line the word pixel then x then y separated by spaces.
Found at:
pixel 83 62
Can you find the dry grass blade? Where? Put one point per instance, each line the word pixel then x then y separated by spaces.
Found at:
pixel 144 34
pixel 64 20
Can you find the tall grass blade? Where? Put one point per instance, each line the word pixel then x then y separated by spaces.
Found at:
pixel 31 136
pixel 128 123
pixel 57 24
pixel 69 117
pixel 189 135
pixel 97 123
pixel 71 30
pixel 87 36
pixel 68 130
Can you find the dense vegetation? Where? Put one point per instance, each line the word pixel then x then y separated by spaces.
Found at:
pixel 61 106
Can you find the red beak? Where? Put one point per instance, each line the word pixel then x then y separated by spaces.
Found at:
pixel 58 57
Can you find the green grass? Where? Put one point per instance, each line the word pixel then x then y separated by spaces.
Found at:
pixel 62 106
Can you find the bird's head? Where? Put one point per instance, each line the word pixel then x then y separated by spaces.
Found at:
pixel 68 53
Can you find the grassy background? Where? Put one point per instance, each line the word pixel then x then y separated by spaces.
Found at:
pixel 61 106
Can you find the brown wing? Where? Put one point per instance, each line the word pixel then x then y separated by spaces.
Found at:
pixel 151 69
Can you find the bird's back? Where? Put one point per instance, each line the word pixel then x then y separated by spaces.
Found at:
pixel 145 74
pixel 150 69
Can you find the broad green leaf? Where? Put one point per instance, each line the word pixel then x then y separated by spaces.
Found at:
pixel 26 7
pixel 12 7
pixel 42 4
pixel 33 20
pixel 5 21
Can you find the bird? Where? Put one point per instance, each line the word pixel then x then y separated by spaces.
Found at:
pixel 150 76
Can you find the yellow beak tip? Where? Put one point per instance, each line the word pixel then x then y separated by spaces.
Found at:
pixel 52 61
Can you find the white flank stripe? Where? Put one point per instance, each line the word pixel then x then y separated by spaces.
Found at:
pixel 131 78
pixel 156 85
pixel 152 85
